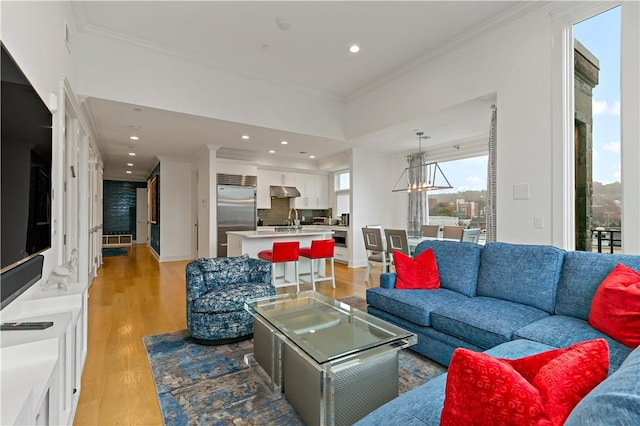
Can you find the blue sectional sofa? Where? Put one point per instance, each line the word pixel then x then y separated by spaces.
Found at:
pixel 511 301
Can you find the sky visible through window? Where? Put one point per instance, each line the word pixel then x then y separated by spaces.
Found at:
pixel 601 36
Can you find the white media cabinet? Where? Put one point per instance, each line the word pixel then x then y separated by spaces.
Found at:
pixel 41 370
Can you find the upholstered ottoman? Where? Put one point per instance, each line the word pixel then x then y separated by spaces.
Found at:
pixel 216 291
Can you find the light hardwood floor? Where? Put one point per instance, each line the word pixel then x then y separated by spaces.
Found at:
pixel 135 296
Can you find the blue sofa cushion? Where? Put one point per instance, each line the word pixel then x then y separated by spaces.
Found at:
pixel 526 274
pixel 562 331
pixel 484 321
pixel 431 343
pixel 231 297
pixel 423 404
pixel 413 305
pixel 581 276
pixel 457 264
pixel 614 401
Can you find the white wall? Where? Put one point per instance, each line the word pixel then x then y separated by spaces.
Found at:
pixel 232 167
pixel 32 33
pixel 205 165
pixel 630 134
pixel 372 202
pixel 176 205
pixel 512 61
pixel 116 70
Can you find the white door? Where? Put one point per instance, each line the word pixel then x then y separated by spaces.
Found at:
pixel 142 224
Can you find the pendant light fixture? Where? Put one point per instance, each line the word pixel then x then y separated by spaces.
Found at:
pixel 423 177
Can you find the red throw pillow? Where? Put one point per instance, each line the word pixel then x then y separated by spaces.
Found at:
pixel 418 273
pixel 615 308
pixel 541 389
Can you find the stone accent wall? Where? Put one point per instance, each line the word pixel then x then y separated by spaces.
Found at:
pixel 586 69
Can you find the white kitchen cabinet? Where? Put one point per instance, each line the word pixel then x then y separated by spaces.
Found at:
pixel 304 200
pixel 321 186
pixel 313 187
pixel 341 255
pixel 263 192
pixel 314 191
pixel 283 178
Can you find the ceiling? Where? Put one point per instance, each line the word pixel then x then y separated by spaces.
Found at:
pixel 304 44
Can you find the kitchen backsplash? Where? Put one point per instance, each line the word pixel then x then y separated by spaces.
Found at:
pixel 279 213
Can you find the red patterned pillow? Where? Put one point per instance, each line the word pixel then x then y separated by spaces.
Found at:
pixel 570 376
pixel 418 273
pixel 615 308
pixel 541 389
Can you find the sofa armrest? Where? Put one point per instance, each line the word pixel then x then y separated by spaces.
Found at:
pixel 388 280
pixel 196 285
pixel 259 271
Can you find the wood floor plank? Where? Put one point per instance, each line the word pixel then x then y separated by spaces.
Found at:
pixel 135 296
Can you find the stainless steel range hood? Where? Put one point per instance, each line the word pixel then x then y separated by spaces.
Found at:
pixel 284 192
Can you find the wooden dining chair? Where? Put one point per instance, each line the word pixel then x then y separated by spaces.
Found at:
pixel 396 240
pixel 471 235
pixel 452 232
pixel 430 231
pixel 375 250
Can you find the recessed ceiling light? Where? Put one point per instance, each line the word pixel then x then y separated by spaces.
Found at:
pixel 312 156
pixel 354 48
pixel 132 154
pixel 128 172
pixel 130 164
pixel 244 137
pixel 283 142
pixel 134 138
pixel 271 151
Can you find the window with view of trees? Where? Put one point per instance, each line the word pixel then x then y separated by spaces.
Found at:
pixel 466 203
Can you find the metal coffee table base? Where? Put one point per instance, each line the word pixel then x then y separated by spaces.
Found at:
pixel 332 393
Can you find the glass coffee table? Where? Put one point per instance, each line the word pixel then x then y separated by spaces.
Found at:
pixel 333 363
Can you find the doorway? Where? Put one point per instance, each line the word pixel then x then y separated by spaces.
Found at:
pixel 142 214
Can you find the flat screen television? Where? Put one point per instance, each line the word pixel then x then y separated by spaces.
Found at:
pixel 25 185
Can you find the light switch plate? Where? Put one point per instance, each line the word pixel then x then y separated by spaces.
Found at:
pixel 538 222
pixel 521 191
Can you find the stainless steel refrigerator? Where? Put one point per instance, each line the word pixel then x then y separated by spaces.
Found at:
pixel 236 212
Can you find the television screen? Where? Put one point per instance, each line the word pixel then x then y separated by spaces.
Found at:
pixel 26 139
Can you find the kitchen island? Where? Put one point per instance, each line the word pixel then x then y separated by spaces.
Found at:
pixel 253 242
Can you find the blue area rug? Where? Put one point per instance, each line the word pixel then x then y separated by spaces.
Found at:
pixel 211 385
pixel 114 251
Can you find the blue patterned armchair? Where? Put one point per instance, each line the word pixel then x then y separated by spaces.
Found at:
pixel 216 291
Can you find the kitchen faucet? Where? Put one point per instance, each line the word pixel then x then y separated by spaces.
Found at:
pixel 288 221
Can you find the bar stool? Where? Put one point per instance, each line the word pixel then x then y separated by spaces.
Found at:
pixel 320 249
pixel 283 252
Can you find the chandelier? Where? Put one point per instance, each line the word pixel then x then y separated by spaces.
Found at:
pixel 423 177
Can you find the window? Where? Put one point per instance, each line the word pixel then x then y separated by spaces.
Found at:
pixel 464 204
pixel 598 189
pixel 342 192
pixel 342 181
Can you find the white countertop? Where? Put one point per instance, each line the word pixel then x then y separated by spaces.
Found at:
pixel 270 233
